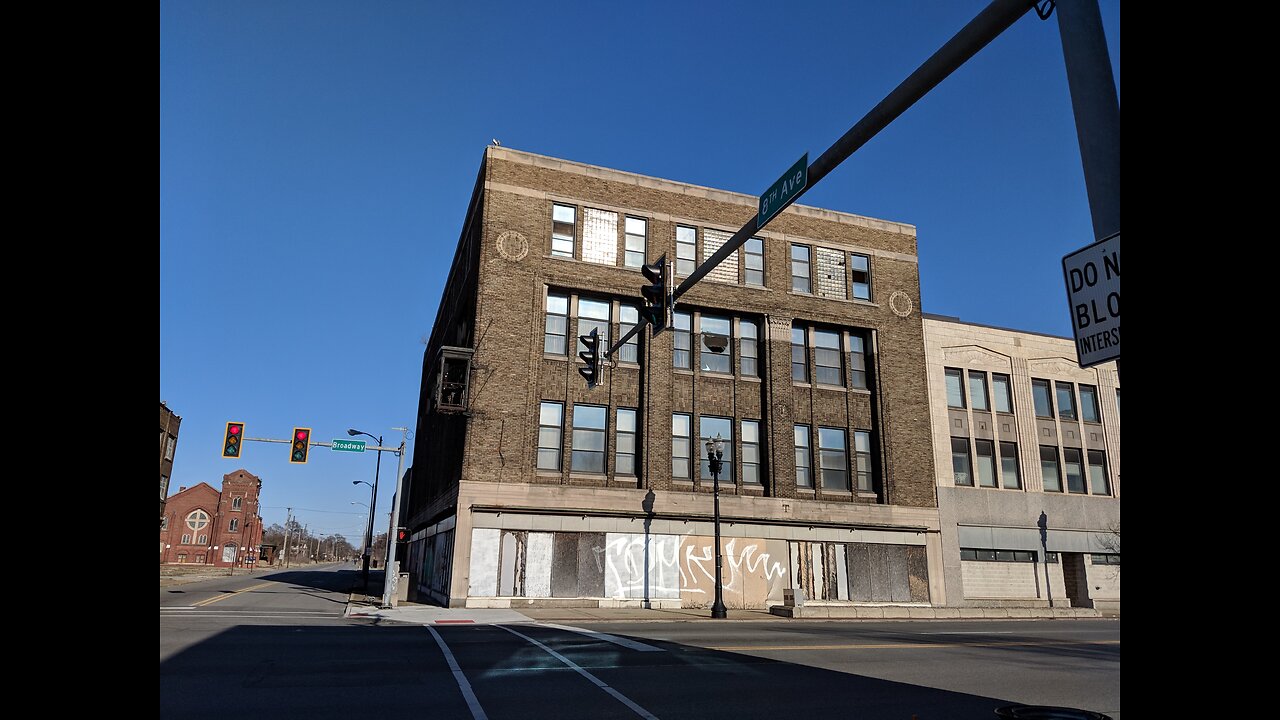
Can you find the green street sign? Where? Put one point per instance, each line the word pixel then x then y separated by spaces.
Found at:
pixel 348 446
pixel 783 191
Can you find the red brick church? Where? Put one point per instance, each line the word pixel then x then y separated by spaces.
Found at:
pixel 202 526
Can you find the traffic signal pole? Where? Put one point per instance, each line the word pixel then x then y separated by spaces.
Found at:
pixel 392 574
pixel 993 20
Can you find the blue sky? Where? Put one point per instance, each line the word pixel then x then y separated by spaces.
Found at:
pixel 316 159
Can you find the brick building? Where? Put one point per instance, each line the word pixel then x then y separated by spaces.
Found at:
pixel 530 488
pixel 169 425
pixel 204 526
pixel 1024 437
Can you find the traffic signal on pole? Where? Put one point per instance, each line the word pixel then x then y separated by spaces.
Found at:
pixel 301 445
pixel 233 439
pixel 591 356
pixel 657 296
pixel 402 534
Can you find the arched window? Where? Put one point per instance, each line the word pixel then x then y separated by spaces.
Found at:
pixel 235 525
pixel 235 502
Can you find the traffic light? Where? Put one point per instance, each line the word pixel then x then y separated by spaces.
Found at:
pixel 301 445
pixel 232 440
pixel 402 534
pixel 591 356
pixel 657 296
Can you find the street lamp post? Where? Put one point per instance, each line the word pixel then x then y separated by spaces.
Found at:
pixel 368 531
pixel 368 536
pixel 715 452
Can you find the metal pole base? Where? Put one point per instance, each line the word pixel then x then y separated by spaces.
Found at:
pixel 718 613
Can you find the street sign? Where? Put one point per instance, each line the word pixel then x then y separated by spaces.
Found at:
pixel 1093 293
pixel 783 191
pixel 348 446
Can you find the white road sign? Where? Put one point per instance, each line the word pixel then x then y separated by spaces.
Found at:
pixel 1093 293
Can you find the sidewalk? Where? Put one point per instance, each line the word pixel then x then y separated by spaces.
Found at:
pixel 432 614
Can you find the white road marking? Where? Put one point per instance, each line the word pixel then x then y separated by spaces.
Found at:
pixel 597 681
pixel 624 642
pixel 477 712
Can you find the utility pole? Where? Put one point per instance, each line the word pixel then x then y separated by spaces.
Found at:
pixel 288 517
pixel 392 569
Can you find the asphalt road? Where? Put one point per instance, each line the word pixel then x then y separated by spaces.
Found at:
pixel 277 646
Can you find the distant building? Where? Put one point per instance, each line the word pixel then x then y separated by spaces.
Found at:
pixel 1024 439
pixel 202 526
pixel 803 351
pixel 169 424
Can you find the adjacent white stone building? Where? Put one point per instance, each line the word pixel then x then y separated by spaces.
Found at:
pixel 1027 451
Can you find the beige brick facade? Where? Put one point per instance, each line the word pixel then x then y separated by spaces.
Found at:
pixel 1055 460
pixel 497 303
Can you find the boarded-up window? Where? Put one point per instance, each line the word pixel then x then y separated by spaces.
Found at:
pixel 830 273
pixel 600 236
pixel 726 271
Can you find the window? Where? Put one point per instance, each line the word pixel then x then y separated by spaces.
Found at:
pixel 960 466
pixel 686 250
pixel 1117 402
pixel 829 276
pixel 804 464
pixel 563 218
pixel 1107 559
pixel 600 236
pixel 826 358
pixel 978 390
pixel 203 540
pixel 197 519
pixel 550 429
pixel 593 315
pixel 799 355
pixel 750 352
pixel 751 452
pixel 637 234
pixel 1089 404
pixel 164 523
pixel 236 502
pixel 862 460
pixel 985 453
pixel 1009 474
pixel 754 255
pixel 164 486
pixel 857 361
pixel 680 426
pixel 983 555
pixel 718 361
pixel 710 427
pixel 1040 395
pixel 168 448
pixel 553 339
pixel 624 459
pixel 588 438
pixel 1051 558
pixel 1049 468
pixel 955 388
pixel 1000 389
pixel 726 271
pixel 681 324
pixel 800 268
pixel 1074 468
pixel 186 538
pixel 833 459
pixel 1066 401
pixel 628 317
pixel 860 265
pixel 182 557
pixel 1098 473
pixel 234 526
